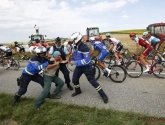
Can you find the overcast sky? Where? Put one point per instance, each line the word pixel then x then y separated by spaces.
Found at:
pixel 63 17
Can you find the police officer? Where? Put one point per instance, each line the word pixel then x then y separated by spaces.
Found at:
pixel 34 66
pixel 81 58
pixel 64 55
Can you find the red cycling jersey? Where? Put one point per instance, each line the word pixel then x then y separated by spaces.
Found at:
pixel 144 44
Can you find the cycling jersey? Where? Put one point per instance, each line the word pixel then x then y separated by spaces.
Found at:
pixel 99 45
pixel 81 55
pixel 141 42
pixel 4 48
pixel 153 40
pixel 114 41
pixel 144 44
pixel 102 49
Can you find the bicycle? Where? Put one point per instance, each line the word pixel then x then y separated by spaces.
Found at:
pixel 118 73
pixel 126 57
pixel 13 63
pixel 135 68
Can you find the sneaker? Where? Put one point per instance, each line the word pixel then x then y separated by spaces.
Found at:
pixel 109 72
pixel 55 97
pixel 146 70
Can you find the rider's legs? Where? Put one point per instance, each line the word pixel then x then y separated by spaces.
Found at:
pixel 102 56
pixel 144 59
pixel 117 50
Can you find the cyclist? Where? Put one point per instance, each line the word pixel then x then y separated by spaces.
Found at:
pixel 154 42
pixel 19 48
pixel 7 53
pixel 102 50
pixel 115 46
pixel 147 48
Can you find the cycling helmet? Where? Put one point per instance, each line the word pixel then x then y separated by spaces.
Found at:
pixel 132 34
pixel 40 49
pixel 58 39
pixel 145 33
pixel 92 38
pixel 108 35
pixel 76 37
pixel 1 44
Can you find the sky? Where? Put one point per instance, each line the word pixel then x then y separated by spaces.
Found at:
pixel 64 17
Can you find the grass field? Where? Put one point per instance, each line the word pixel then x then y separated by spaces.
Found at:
pixel 56 113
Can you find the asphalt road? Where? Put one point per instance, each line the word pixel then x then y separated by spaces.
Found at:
pixel 144 95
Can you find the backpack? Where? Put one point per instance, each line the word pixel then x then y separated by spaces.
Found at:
pixel 61 50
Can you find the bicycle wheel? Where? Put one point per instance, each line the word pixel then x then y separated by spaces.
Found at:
pixel 159 70
pixel 118 73
pixel 96 71
pixel 134 69
pixel 15 64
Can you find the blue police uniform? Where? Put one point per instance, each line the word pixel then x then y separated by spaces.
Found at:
pixel 102 49
pixel 34 66
pixel 81 56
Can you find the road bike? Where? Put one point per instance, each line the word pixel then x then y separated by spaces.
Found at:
pixel 118 73
pixel 14 64
pixel 135 68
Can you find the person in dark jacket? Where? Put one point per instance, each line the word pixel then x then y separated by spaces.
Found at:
pixel 31 72
pixel 81 58
pixel 65 56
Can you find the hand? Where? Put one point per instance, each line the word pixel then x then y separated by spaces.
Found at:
pixel 72 62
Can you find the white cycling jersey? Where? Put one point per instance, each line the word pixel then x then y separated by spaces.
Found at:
pixel 114 41
pixel 4 48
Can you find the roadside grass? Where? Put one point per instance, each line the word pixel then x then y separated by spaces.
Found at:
pixel 57 113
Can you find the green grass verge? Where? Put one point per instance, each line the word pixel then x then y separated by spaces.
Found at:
pixel 56 113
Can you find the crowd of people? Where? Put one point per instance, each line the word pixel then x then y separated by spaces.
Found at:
pixel 53 59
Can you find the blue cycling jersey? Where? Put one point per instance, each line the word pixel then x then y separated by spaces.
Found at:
pixel 99 45
pixel 154 40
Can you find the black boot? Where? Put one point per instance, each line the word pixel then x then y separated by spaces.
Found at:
pixel 15 99
pixel 69 87
pixel 77 91
pixel 103 95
